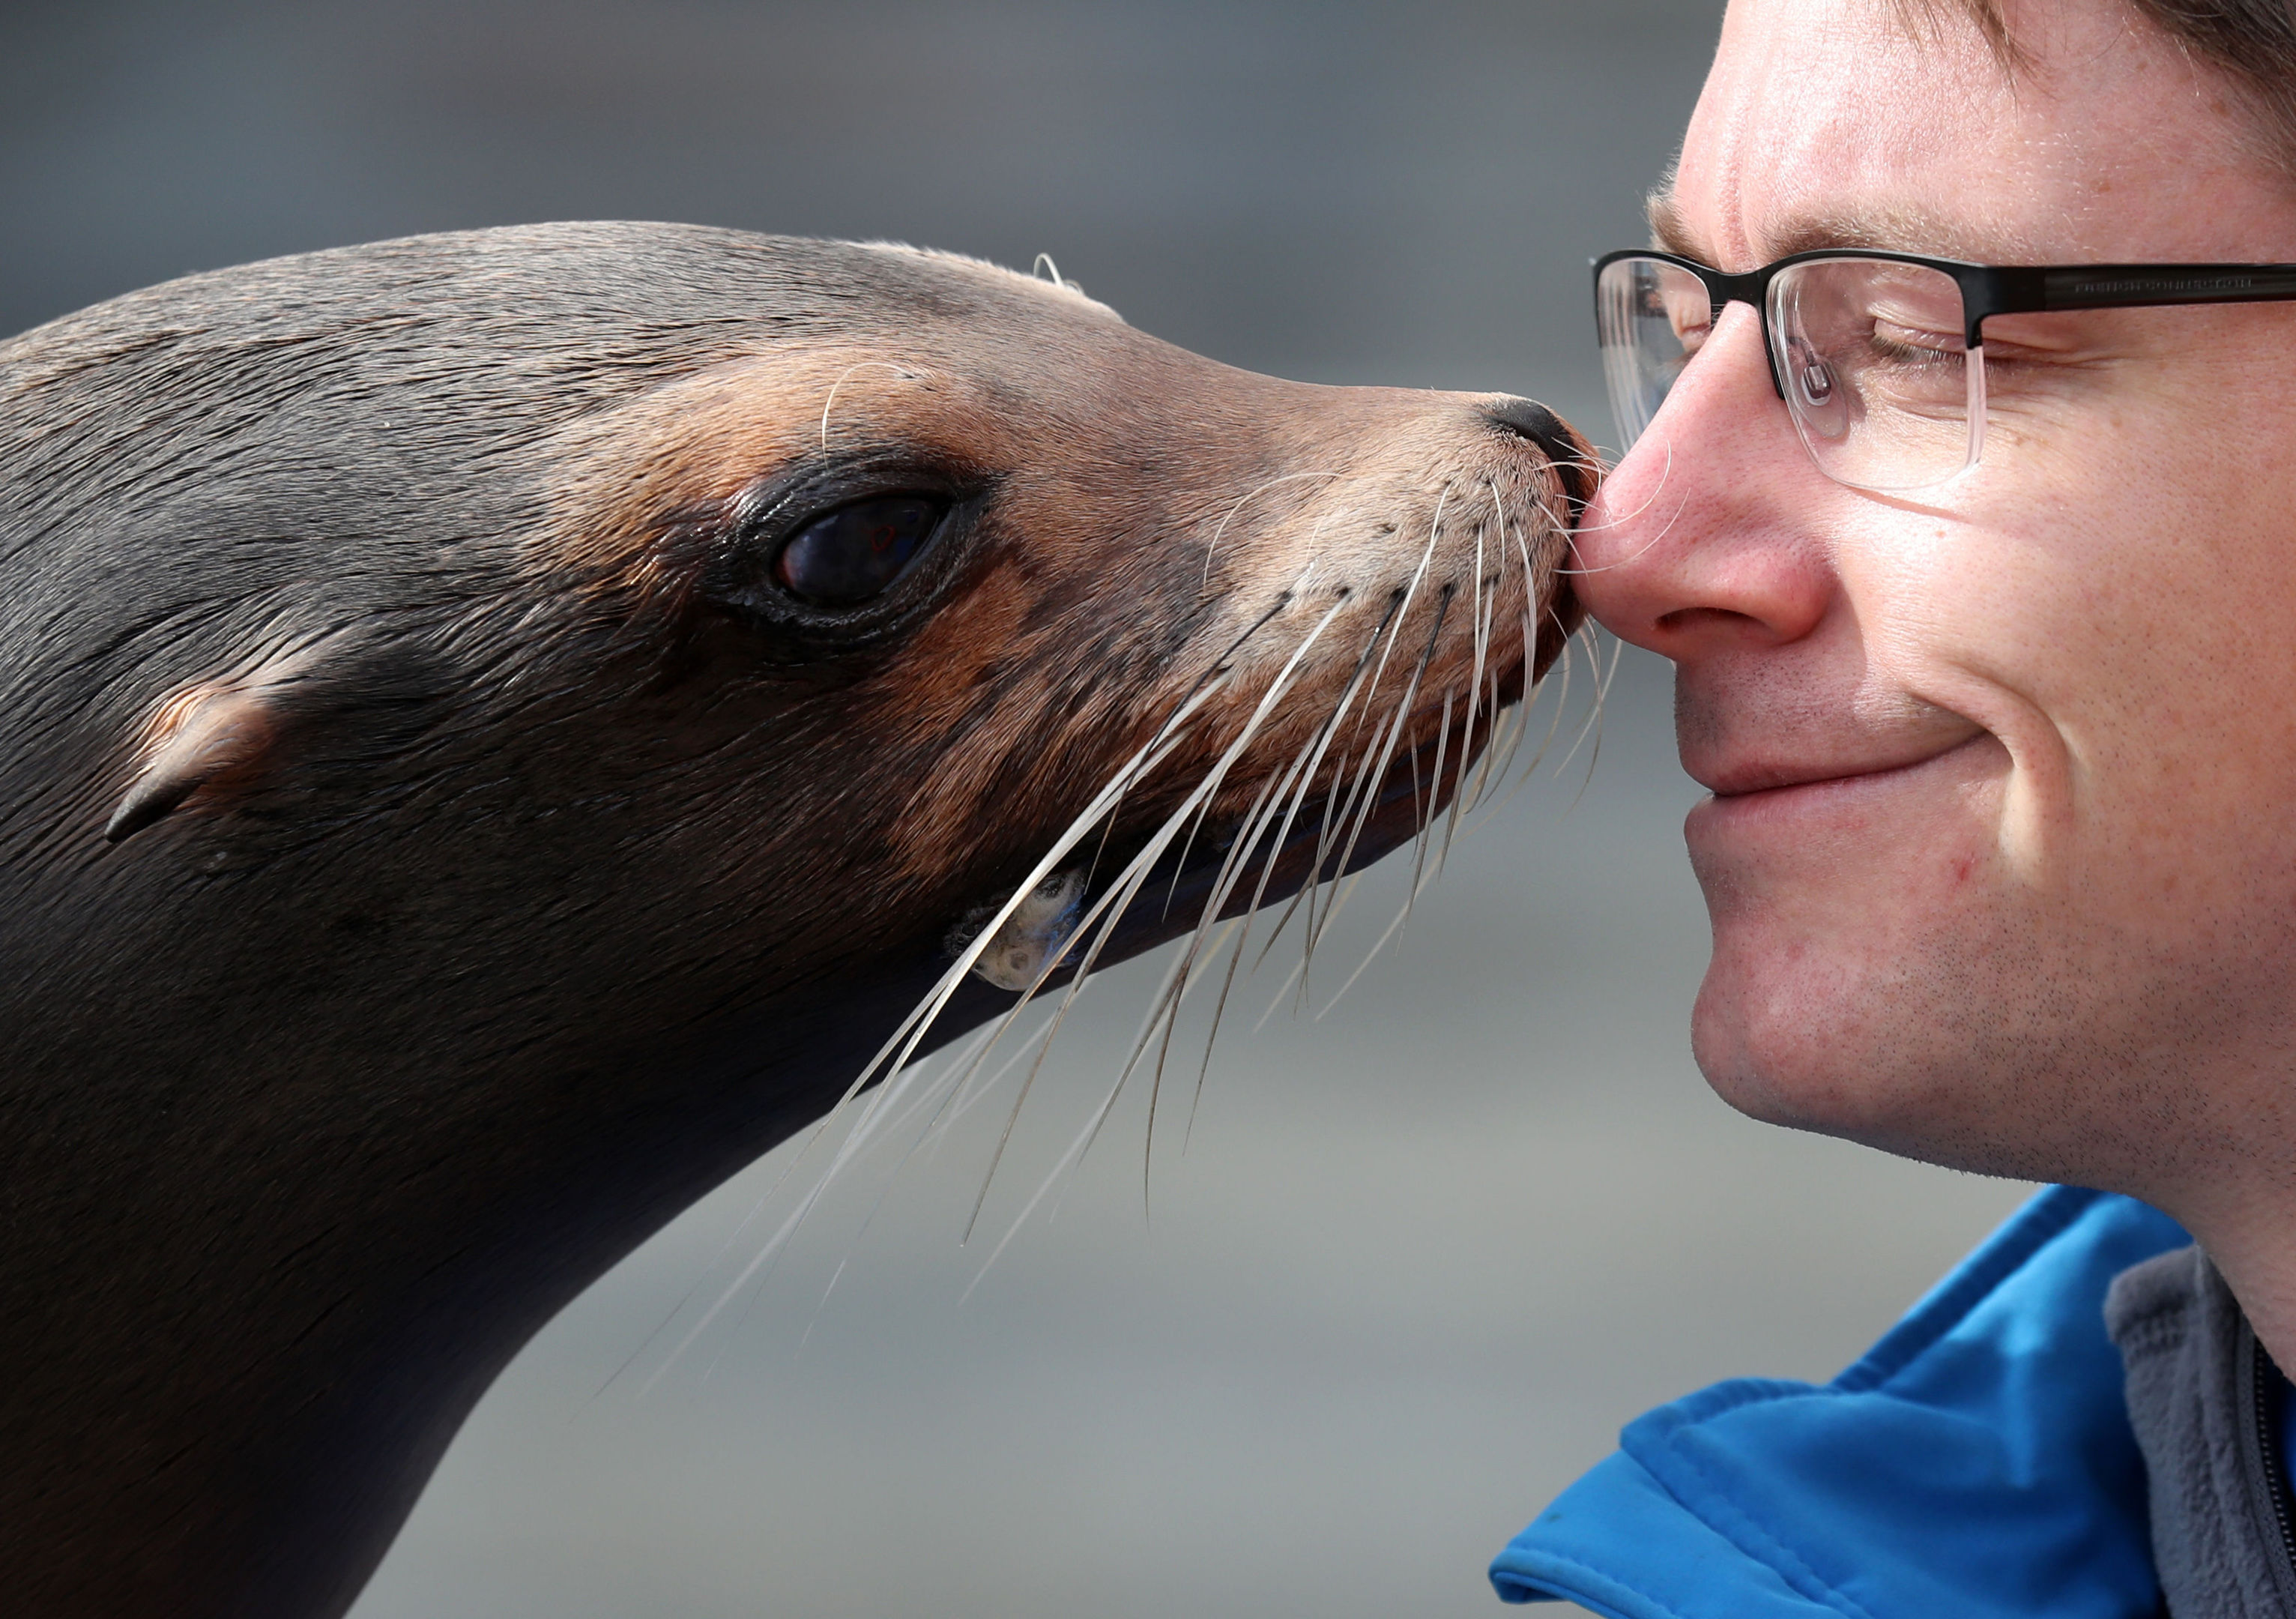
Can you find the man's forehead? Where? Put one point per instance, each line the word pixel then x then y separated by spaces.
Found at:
pixel 1826 125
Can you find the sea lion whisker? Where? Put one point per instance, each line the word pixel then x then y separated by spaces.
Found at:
pixel 1284 991
pixel 1244 500
pixel 1170 991
pixel 1602 692
pixel 1396 599
pixel 1188 848
pixel 1562 686
pixel 1231 873
pixel 1427 821
pixel 1340 802
pixel 1073 1156
pixel 1340 895
pixel 1454 815
pixel 1267 704
pixel 1275 852
pixel 858 1141
pixel 1420 843
pixel 1532 686
pixel 1492 758
pixel 1397 610
pixel 835 1277
pixel 1477 627
pixel 1395 737
pixel 1497 780
pixel 936 1094
pixel 942 1092
pixel 1185 972
pixel 1500 736
pixel 1227 984
pixel 1204 810
pixel 899 371
pixel 968 1095
pixel 1085 1137
pixel 1222 885
pixel 1364 796
pixel 1420 877
pixel 1372 955
pixel 1411 590
pixel 1231 869
pixel 1484 609
pixel 1318 744
pixel 1496 726
pixel 1357 806
pixel 1103 917
pixel 1664 529
pixel 927 1094
pixel 1592 725
pixel 1498 745
pixel 1336 806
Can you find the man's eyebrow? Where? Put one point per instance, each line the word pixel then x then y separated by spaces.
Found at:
pixel 1669 233
pixel 1890 230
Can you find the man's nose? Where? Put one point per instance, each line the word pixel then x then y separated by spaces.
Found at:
pixel 1701 539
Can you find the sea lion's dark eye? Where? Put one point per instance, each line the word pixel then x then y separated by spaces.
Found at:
pixel 844 557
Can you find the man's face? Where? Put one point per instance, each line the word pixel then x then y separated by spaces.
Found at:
pixel 2002 851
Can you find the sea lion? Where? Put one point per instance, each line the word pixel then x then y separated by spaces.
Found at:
pixel 499 727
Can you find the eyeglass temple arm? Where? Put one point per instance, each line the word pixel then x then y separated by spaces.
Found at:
pixel 2024 290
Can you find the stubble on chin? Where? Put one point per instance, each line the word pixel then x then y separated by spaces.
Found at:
pixel 1971 1046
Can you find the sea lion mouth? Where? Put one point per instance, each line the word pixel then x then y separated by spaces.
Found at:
pixel 1325 842
pixel 1233 865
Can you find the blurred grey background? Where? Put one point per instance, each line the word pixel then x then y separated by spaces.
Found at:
pixel 1420 1258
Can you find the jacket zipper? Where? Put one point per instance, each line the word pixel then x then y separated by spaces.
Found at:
pixel 2266 1403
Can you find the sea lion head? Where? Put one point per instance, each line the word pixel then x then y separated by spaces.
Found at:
pixel 499 726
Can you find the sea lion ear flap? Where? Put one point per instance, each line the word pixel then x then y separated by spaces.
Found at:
pixel 202 735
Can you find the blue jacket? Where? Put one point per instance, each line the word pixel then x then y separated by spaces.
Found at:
pixel 1977 1463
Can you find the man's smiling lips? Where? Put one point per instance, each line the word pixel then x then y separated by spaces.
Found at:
pixel 1750 743
pixel 1764 795
pixel 1751 777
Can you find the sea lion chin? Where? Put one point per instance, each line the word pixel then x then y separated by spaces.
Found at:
pixel 501 729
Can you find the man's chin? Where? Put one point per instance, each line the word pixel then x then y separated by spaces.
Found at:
pixel 1913 1086
pixel 1756 1055
pixel 1788 1038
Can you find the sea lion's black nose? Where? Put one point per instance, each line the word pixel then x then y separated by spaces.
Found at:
pixel 1552 434
pixel 1532 420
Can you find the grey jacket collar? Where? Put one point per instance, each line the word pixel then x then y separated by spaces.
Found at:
pixel 2204 1400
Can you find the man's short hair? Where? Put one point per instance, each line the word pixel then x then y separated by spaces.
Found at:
pixel 2249 43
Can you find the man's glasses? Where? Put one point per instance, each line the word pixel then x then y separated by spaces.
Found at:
pixel 1870 352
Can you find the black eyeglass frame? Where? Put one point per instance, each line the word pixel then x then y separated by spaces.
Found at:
pixel 1988 290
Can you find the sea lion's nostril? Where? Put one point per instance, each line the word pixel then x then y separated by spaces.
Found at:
pixel 1529 419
